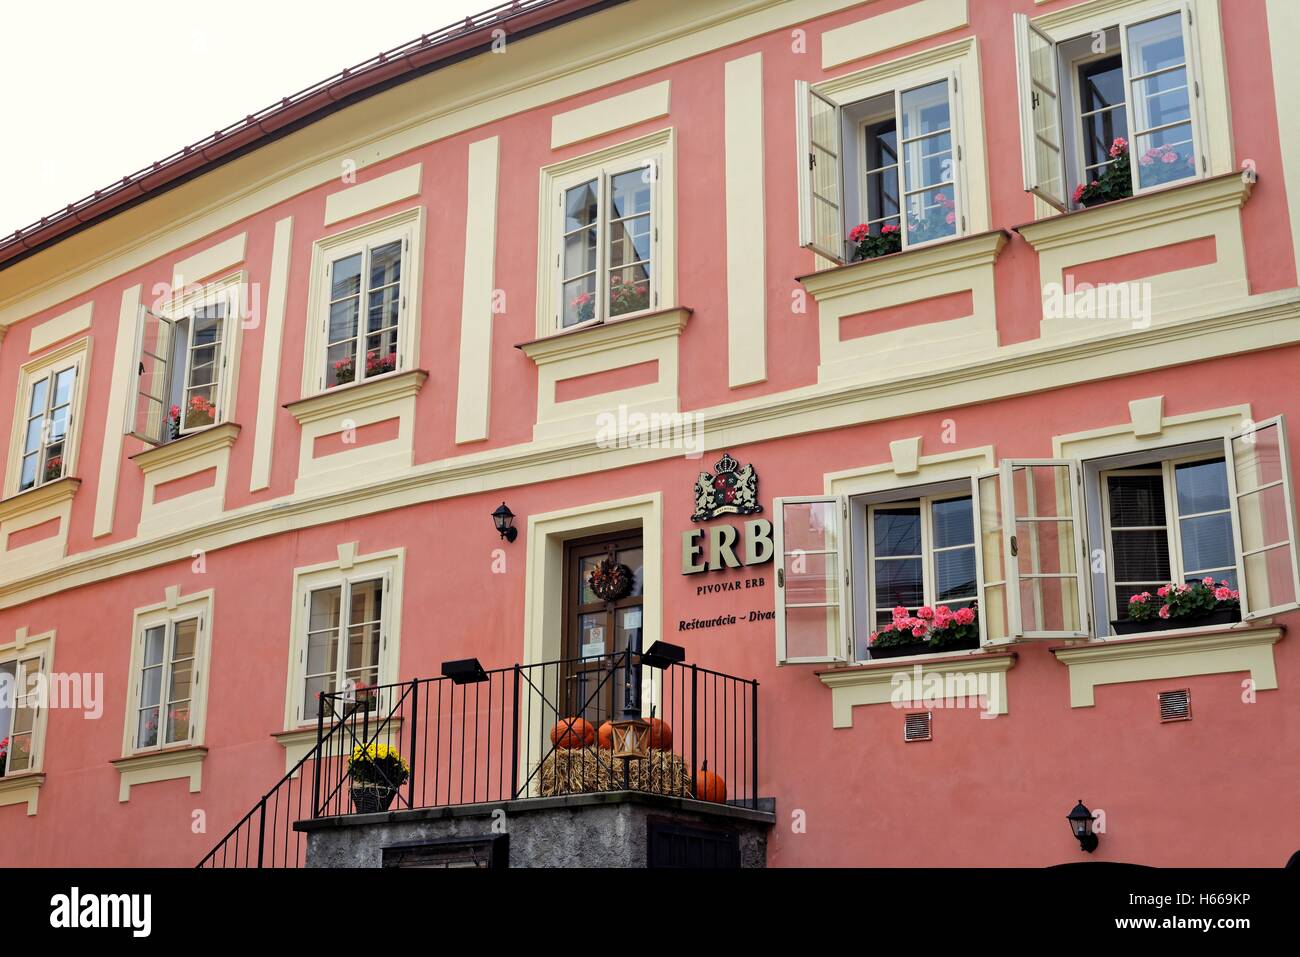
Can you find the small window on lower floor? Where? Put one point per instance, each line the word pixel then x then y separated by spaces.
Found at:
pixel 20 712
pixel 168 675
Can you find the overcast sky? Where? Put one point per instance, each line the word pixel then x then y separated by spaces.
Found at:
pixel 91 90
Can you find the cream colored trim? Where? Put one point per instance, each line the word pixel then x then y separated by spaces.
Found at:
pixel 1150 428
pixel 588 54
pixel 610 115
pixel 28 509
pixel 955 266
pixel 912 679
pixel 657 153
pixel 478 304
pixel 224 255
pixel 376 193
pixel 886 31
pixel 349 566
pixel 60 327
pixel 173 607
pixel 544 575
pixel 746 221
pixel 188 455
pixel 23 788
pixel 407 225
pixel 73 354
pixel 1149 659
pixel 1265 322
pixel 350 407
pixel 909 467
pixel 1283 25
pixel 1096 15
pixel 119 394
pixel 268 383
pixel 611 345
pixel 1208 207
pixel 151 766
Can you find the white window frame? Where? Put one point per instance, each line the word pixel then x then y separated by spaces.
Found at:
pixel 929 571
pixel 168 614
pixel 1166 469
pixel 230 293
pixel 39 648
pixel 386 566
pixel 838 643
pixel 408 228
pixel 956 63
pixel 654 153
pixel 1122 21
pixel 76 355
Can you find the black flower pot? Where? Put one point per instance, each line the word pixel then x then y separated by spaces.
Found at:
pixel 372 798
pixel 899 651
pixel 1220 616
pixel 969 643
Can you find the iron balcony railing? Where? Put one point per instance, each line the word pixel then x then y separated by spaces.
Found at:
pixel 522 732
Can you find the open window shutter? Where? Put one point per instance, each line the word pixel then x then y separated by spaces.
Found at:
pixel 1038 81
pixel 823 188
pixel 152 378
pixel 1192 56
pixel 990 559
pixel 1047 580
pixel 811 618
pixel 1259 477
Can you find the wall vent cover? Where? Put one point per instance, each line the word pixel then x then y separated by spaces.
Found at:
pixel 916 726
pixel 1176 705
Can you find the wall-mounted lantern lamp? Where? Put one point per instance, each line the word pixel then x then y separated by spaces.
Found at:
pixel 504 519
pixel 1081 827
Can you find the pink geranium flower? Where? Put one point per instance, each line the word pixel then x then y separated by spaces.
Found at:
pixel 1164 611
pixel 918 631
pixel 964 616
pixel 859 233
pixel 925 612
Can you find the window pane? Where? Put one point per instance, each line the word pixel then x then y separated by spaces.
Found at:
pixel 580 252
pixel 882 198
pixel 147 728
pixel 1156 44
pixel 340 362
pixel 1207 542
pixel 809 526
pixel 343 319
pixel 580 206
pixel 58 424
pixel 35 432
pixel 28 477
pixel 1136 500
pixel 324 604
pixel 953 523
pixel 386 265
pixel 203 366
pixel 183 644
pixel 1162 99
pixel 812 578
pixel 1202 487
pixel 322 652
pixel 1101 84
pixel 811 632
pixel 897 531
pixel 366 602
pixel 1141 555
pixel 40 394
pixel 629 241
pixel 207 325
pixel 384 308
pixel 925 110
pixel 1100 130
pixel 345 277
pixel 629 289
pixel 930 215
pixel 153 645
pixel 629 193
pixel 898 582
pixel 882 144
pixel 954 574
pixel 181 677
pixel 633 559
pixel 63 383
pixel 579 297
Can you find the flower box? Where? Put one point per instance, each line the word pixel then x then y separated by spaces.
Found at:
pixel 899 651
pixel 930 631
pixel 1220 616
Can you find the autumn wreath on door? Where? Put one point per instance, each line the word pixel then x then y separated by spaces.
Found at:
pixel 610 580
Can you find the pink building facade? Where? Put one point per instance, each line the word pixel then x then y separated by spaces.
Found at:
pixel 599 261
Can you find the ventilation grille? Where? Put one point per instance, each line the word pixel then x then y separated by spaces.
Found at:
pixel 916 726
pixel 1176 705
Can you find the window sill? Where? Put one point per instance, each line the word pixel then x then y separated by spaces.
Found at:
pixel 920 308
pixel 884 681
pixel 1217 649
pixel 168 764
pixel 39 497
pixel 344 399
pixel 21 788
pixel 1147 210
pixel 627 365
pixel 189 446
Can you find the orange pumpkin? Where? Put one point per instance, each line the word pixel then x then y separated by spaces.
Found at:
pixel 572 733
pixel 661 735
pixel 708 786
pixel 606 736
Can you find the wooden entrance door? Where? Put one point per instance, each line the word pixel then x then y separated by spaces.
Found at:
pixel 594 628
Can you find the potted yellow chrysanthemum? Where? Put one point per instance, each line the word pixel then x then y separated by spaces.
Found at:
pixel 377 771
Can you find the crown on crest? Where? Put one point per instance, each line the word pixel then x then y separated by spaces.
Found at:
pixel 726 464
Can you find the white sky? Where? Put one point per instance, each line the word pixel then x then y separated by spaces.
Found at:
pixel 91 90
